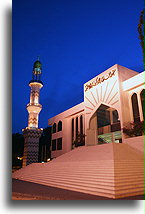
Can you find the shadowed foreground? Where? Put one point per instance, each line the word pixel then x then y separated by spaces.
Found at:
pixel 23 190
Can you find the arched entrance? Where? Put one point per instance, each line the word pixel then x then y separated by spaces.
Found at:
pixel 104 126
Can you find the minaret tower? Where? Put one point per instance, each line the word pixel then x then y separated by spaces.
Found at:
pixel 32 133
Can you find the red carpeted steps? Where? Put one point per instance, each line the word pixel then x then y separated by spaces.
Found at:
pixel 112 170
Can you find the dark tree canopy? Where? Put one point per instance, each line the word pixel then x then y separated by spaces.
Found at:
pixel 44 145
pixel 141 30
pixel 17 148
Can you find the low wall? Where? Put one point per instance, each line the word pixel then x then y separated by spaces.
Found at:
pixel 136 142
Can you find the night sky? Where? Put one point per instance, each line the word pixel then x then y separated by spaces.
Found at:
pixel 76 40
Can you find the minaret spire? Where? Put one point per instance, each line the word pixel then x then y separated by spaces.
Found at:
pixel 32 132
pixel 34 107
pixel 36 73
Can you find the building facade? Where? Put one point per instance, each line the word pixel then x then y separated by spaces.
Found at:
pixel 112 100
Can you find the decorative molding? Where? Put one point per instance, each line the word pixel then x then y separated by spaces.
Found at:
pixel 109 96
pixel 32 121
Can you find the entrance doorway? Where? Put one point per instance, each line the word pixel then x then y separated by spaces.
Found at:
pixel 108 125
pixel 104 126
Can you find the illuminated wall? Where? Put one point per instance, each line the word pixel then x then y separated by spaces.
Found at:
pixel 112 88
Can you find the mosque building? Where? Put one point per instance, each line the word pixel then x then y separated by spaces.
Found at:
pixel 113 103
pixel 97 146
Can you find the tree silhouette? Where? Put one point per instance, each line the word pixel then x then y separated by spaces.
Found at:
pixel 80 140
pixel 44 145
pixel 17 149
pixel 141 31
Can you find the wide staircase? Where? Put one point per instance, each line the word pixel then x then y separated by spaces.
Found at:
pixel 110 170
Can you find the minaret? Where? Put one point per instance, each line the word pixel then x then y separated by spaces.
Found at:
pixel 32 133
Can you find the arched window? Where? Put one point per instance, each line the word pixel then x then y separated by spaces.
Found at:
pixel 72 125
pixel 54 128
pixel 135 108
pixel 59 126
pixel 76 128
pixel 142 97
pixel 81 124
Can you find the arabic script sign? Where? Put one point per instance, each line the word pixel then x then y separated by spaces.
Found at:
pixel 99 80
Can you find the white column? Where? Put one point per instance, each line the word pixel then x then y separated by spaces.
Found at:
pixel 84 131
pixel 111 122
pixel 79 124
pixel 140 106
pixel 83 123
pixel 130 107
pixel 91 138
pixel 74 128
pixel 96 129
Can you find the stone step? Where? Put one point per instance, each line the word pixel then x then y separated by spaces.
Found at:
pixel 127 194
pixel 70 169
pixel 80 167
pixel 81 164
pixel 85 189
pixel 91 163
pixel 92 166
pixel 73 180
pixel 88 170
pixel 102 191
pixel 108 176
pixel 102 180
pixel 113 171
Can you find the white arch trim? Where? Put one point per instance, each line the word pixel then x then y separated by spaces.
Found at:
pixel 96 108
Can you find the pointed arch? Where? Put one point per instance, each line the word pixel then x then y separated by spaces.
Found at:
pixel 135 108
pixel 59 128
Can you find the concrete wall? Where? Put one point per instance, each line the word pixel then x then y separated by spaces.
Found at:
pixel 66 133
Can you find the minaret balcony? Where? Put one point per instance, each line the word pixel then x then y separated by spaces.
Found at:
pixel 34 108
pixel 36 83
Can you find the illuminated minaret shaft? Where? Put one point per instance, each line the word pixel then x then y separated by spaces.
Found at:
pixel 32 133
pixel 34 107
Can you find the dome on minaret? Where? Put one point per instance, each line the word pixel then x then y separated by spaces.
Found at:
pixel 36 73
pixel 37 67
pixel 37 64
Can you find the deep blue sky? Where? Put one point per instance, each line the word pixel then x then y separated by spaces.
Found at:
pixel 76 40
